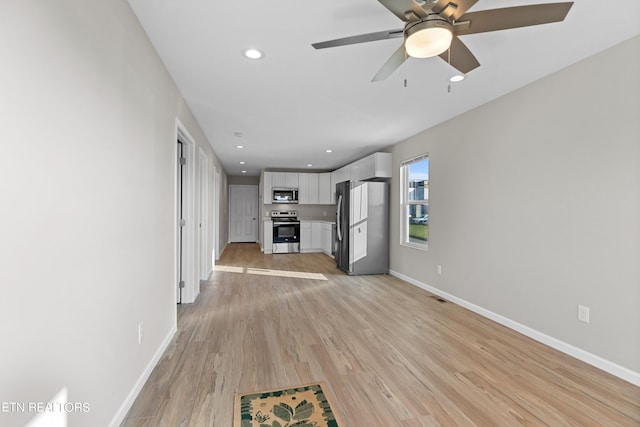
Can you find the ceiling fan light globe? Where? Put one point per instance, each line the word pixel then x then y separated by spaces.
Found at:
pixel 428 38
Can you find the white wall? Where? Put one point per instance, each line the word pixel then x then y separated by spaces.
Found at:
pixel 535 206
pixel 88 204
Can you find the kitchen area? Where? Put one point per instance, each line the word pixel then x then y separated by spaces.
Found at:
pixel 298 212
pixel 298 209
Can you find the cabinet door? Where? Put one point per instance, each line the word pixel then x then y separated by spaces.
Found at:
pixel 278 180
pixel 305 235
pixel 367 168
pixel 316 235
pixel 267 195
pixel 267 243
pixel 340 175
pixel 332 184
pixel 291 180
pixel 354 171
pixel 308 188
pixel 383 165
pixel 304 195
pixel 324 189
pixel 312 188
pixel 326 238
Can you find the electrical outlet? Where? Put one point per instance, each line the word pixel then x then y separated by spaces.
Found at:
pixel 439 269
pixel 583 313
pixel 140 332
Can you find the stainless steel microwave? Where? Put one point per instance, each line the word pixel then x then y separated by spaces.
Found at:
pixel 284 195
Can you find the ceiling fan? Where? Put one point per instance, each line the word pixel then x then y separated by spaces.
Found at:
pixel 432 28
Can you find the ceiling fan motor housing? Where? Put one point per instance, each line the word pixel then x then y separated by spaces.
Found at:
pixel 428 37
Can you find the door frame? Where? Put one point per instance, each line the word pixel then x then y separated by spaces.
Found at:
pixel 191 286
pixel 257 188
pixel 216 215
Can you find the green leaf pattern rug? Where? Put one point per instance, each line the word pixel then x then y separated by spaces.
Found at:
pixel 302 406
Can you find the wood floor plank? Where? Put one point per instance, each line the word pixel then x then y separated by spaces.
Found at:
pixel 390 354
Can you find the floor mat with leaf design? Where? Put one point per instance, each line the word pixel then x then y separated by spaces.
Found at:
pixel 300 406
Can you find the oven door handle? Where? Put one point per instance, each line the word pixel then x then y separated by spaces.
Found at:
pixel 338 226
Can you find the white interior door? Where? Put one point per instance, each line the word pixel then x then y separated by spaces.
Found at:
pixel 243 213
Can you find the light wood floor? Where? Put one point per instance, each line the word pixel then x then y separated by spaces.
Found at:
pixel 390 354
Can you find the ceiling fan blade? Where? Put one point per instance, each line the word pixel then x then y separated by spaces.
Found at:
pixel 362 38
pixel 453 8
pixel 513 17
pixel 392 64
pixel 403 9
pixel 460 57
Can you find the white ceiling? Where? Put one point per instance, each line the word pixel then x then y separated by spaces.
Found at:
pixel 297 102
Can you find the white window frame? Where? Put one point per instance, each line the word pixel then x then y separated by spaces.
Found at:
pixel 405 203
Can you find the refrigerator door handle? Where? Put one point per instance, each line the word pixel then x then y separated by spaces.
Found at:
pixel 338 225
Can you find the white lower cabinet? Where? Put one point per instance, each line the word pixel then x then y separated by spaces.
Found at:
pixel 316 242
pixel 305 236
pixel 313 237
pixel 326 237
pixel 267 242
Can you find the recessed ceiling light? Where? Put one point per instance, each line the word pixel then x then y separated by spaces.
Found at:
pixel 242 163
pixel 253 54
pixel 244 171
pixel 457 78
pixel 309 165
pixel 239 146
pixel 328 151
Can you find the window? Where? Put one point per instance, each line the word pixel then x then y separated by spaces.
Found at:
pixel 414 200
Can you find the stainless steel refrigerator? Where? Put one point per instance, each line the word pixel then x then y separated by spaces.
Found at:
pixel 362 227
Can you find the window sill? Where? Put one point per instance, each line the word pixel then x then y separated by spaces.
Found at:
pixel 424 247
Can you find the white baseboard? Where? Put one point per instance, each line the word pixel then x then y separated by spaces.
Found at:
pixel 580 354
pixel 128 402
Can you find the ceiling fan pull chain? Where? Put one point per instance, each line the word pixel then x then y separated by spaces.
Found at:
pixel 405 72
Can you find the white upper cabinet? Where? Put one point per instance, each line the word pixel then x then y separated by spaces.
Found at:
pixel 340 175
pixel 320 188
pixel 308 188
pixel 324 188
pixel 285 180
pixel 377 165
pixel 303 188
pixel 267 185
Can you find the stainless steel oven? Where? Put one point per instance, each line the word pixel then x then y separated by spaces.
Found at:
pixel 286 232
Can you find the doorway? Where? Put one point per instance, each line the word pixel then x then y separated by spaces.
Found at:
pixel 181 249
pixel 187 286
pixel 243 213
